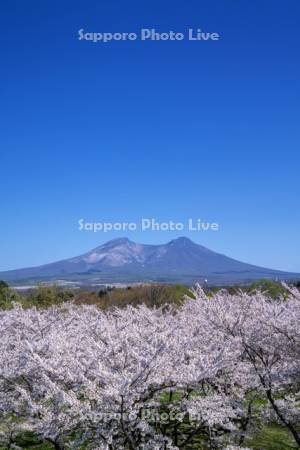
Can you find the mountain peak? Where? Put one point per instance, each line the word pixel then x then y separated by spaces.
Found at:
pixel 182 241
pixel 180 260
pixel 119 241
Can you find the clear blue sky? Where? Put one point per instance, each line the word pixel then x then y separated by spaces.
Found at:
pixel 169 130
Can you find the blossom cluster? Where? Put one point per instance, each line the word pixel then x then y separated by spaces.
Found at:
pixel 79 377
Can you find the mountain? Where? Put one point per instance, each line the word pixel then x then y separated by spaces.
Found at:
pixel 124 261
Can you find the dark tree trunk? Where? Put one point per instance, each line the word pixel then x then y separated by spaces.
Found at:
pixel 290 426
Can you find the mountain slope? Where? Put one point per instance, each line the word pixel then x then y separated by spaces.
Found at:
pixel 121 260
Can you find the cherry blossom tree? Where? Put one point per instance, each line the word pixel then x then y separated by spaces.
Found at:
pixel 151 378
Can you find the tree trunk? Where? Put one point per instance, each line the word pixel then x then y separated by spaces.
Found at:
pixel 289 426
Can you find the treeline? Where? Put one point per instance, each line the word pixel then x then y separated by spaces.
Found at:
pixel 154 295
pixel 151 295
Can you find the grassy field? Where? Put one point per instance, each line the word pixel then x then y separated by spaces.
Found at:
pixel 272 437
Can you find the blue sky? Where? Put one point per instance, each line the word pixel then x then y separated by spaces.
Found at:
pixel 170 130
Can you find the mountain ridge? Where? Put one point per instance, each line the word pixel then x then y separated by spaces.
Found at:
pixel 123 260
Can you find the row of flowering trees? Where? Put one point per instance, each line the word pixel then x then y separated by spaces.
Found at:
pixel 208 372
